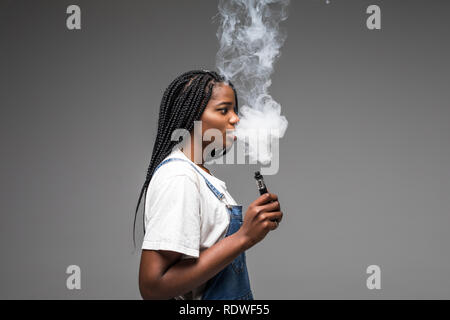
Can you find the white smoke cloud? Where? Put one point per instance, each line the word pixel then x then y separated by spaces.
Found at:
pixel 250 40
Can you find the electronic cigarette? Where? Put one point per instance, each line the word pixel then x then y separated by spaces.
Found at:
pixel 261 186
pixel 260 183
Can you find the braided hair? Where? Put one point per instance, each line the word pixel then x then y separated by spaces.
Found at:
pixel 183 102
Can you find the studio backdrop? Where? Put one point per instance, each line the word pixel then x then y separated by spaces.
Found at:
pixel 363 171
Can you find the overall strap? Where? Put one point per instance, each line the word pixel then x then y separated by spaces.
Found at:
pixel 216 192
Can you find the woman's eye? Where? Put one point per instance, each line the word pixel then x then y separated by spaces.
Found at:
pixel 224 110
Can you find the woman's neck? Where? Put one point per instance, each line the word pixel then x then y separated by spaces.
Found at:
pixel 203 167
pixel 189 150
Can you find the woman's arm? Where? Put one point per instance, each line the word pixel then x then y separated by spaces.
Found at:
pixel 161 276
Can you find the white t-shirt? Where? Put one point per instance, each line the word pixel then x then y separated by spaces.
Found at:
pixel 182 214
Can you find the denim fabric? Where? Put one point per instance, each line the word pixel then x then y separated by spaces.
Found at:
pixel 232 283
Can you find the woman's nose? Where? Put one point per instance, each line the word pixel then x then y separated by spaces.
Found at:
pixel 234 119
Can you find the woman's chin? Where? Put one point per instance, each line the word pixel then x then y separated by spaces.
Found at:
pixel 230 141
pixel 228 146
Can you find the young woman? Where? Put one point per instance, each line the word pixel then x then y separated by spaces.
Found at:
pixel 195 240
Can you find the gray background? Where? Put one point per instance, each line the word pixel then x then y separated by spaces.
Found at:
pixel 364 167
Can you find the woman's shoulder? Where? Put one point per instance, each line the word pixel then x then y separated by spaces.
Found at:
pixel 174 169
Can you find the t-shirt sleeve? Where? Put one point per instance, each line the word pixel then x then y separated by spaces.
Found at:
pixel 172 217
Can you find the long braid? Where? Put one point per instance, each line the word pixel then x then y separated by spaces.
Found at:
pixel 183 102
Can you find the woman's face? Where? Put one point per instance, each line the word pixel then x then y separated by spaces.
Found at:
pixel 219 114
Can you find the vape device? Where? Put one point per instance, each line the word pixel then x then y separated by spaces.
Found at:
pixel 261 186
pixel 260 183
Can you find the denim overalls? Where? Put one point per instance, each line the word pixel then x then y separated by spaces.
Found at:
pixel 231 283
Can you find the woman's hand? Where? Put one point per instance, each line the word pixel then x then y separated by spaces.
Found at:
pixel 163 274
pixel 260 219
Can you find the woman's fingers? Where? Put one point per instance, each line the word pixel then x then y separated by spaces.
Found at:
pixel 271 206
pixel 273 225
pixel 272 216
pixel 265 198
